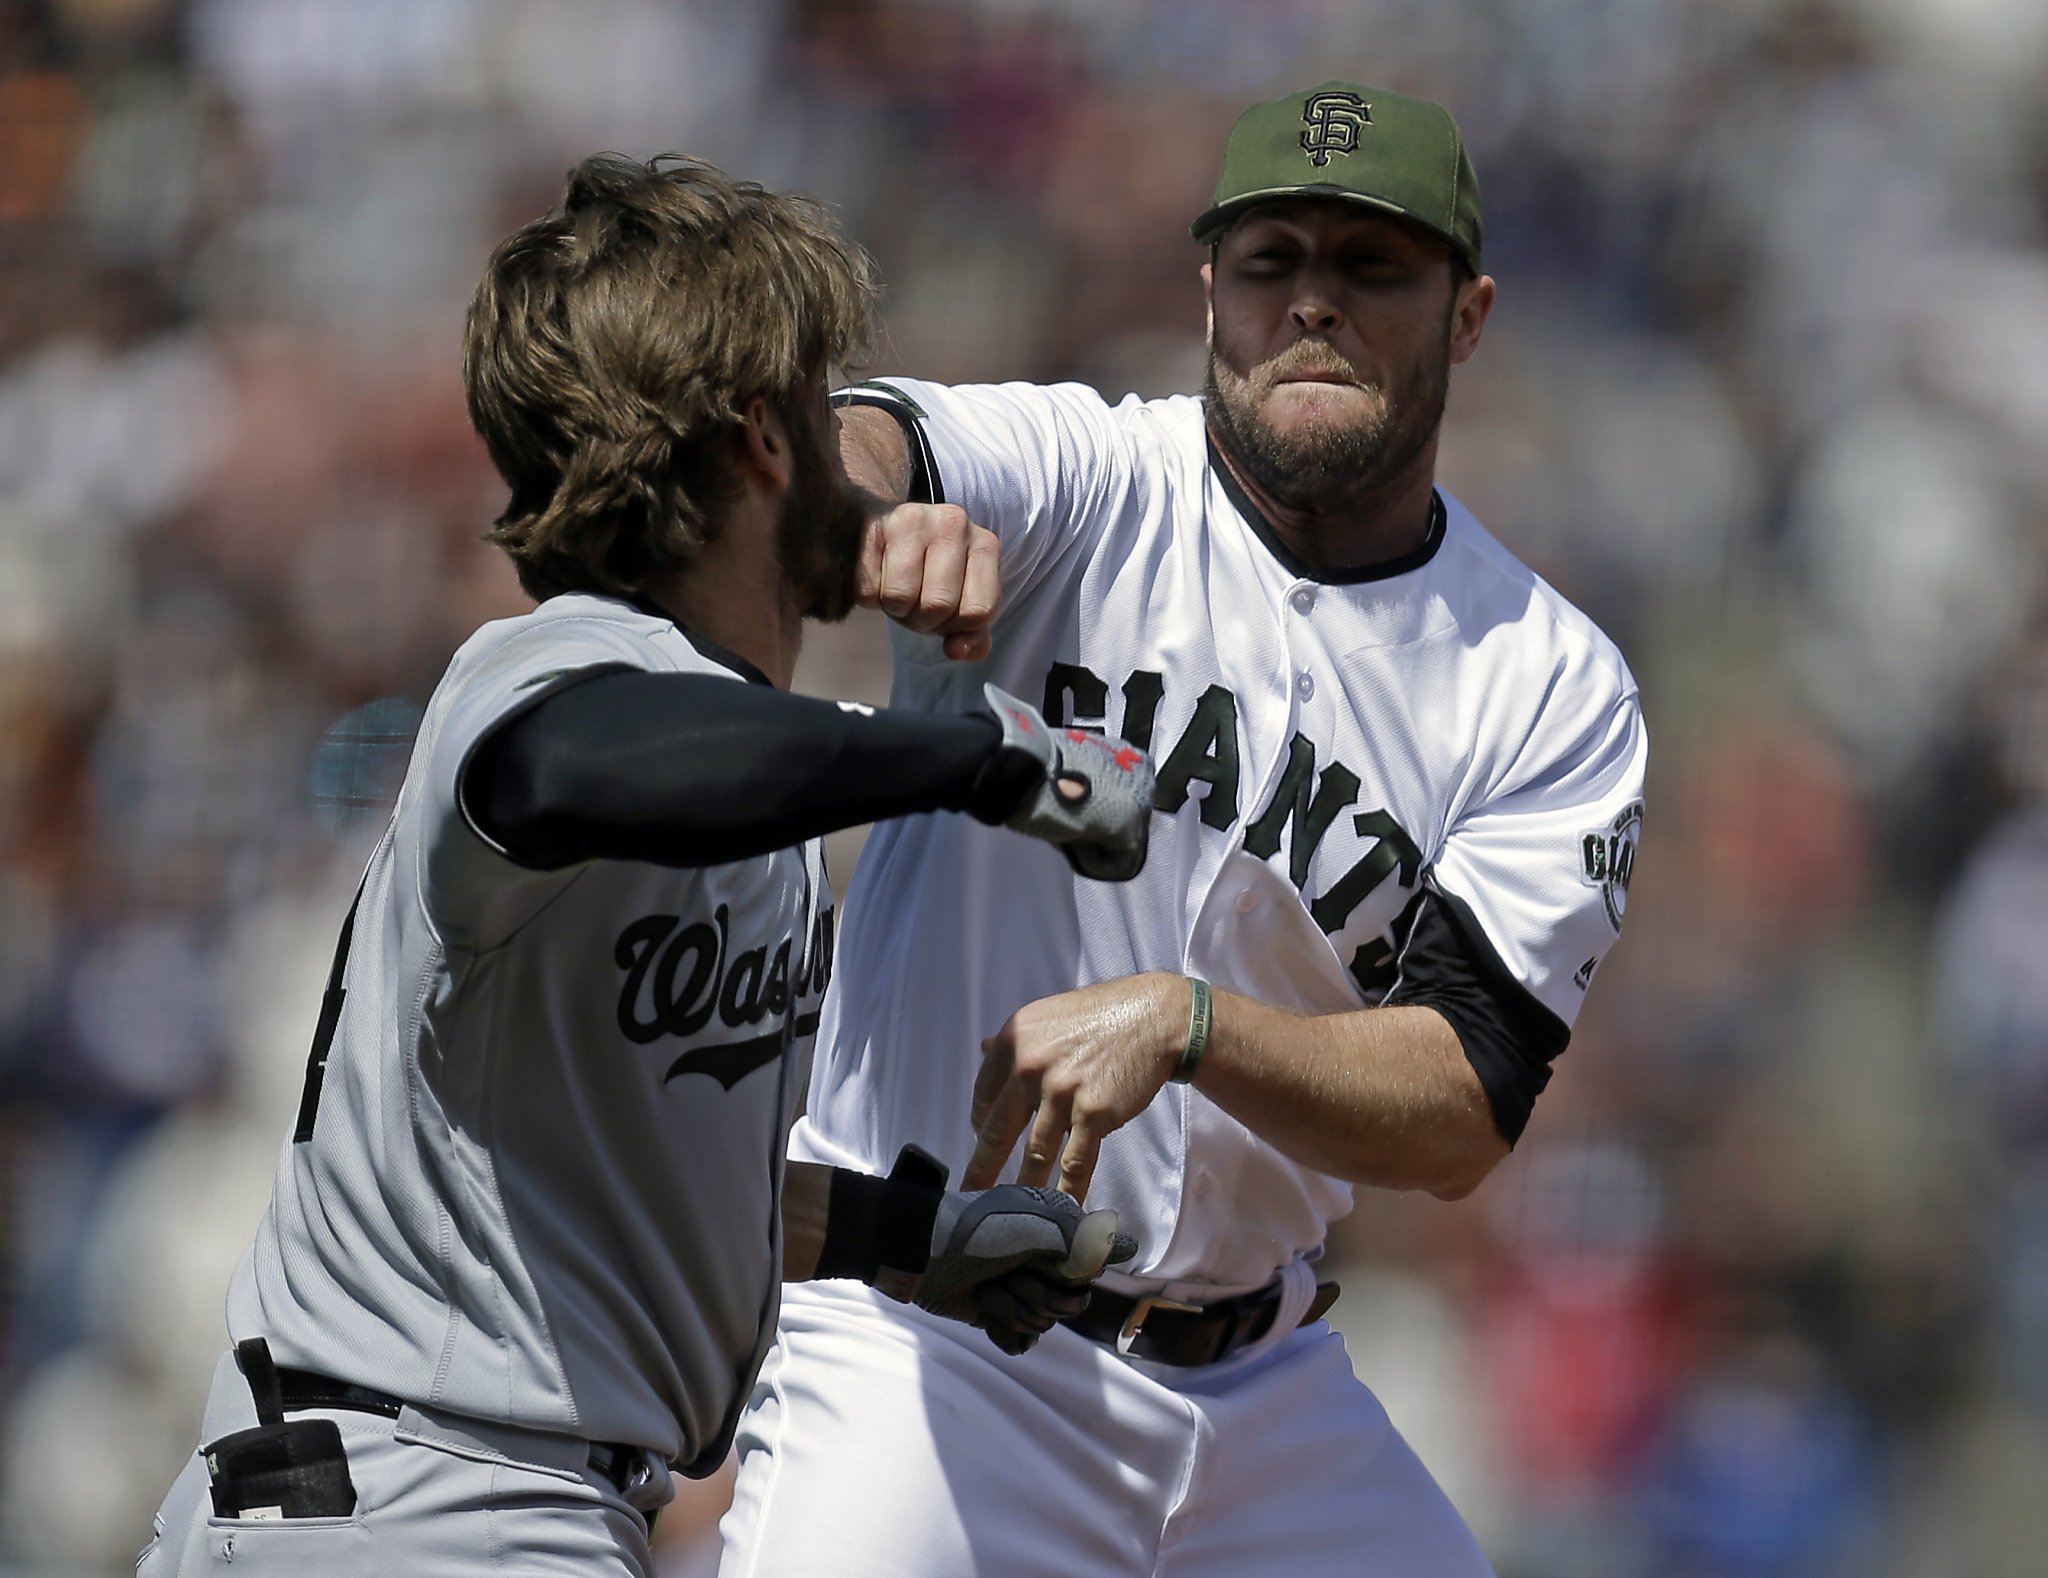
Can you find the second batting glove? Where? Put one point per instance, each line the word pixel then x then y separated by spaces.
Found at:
pixel 1010 1260
pixel 1089 794
pixel 1014 1259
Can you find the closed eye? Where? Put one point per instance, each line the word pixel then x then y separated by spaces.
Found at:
pixel 1268 261
pixel 1382 267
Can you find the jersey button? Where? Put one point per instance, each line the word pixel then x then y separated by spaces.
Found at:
pixel 1304 599
pixel 1247 901
pixel 1304 685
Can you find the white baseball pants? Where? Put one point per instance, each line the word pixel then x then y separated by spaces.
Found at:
pixel 885 1443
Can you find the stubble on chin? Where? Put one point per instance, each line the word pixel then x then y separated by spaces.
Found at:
pixel 1328 449
pixel 1341 447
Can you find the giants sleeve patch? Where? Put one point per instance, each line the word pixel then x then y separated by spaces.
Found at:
pixel 1607 859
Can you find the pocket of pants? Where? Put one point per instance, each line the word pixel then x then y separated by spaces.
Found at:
pixel 336 1547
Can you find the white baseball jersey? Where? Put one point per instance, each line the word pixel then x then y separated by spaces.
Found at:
pixel 539 1183
pixel 1419 782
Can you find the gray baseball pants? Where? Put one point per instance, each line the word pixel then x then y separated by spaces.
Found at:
pixel 435 1494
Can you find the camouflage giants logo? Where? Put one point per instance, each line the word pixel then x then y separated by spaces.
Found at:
pixel 1333 120
pixel 1607 859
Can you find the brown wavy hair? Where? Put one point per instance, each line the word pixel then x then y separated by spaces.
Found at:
pixel 613 345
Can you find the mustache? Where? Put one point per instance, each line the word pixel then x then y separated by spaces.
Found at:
pixel 1310 358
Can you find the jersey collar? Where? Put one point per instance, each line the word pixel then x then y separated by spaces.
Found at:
pixel 1294 564
pixel 724 656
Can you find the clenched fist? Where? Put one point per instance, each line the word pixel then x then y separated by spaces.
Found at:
pixel 932 570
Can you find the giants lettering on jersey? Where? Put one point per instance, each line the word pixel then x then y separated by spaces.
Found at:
pixel 1207 752
pixel 678 977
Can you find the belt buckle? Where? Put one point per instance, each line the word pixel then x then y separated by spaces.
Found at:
pixel 625 1466
pixel 1134 1323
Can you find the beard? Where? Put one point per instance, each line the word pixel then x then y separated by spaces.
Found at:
pixel 1329 458
pixel 818 534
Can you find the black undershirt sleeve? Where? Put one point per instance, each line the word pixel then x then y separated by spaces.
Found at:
pixel 697 770
pixel 1510 1039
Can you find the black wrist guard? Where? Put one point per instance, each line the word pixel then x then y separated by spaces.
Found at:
pixel 879 1230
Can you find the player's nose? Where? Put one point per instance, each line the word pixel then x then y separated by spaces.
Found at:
pixel 1312 312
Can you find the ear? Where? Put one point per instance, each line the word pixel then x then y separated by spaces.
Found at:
pixel 1468 316
pixel 1209 302
pixel 766 451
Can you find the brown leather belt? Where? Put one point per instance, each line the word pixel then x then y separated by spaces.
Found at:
pixel 1166 1331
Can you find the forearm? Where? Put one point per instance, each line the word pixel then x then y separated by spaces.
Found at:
pixel 876 1229
pixel 694 770
pixel 806 1210
pixel 876 453
pixel 1382 1096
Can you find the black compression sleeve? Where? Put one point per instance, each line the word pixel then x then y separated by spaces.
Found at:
pixel 698 770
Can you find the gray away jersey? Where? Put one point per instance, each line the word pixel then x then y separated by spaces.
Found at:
pixel 1419 782
pixel 542 1185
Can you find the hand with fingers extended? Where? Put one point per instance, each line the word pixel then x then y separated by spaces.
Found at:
pixel 1071 1070
pixel 932 570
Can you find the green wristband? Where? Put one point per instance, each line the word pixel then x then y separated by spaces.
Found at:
pixel 1201 1015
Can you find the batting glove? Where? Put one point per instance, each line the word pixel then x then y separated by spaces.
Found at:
pixel 1014 1259
pixel 1103 827
pixel 1009 1260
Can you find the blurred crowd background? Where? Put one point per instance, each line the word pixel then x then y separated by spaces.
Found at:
pixel 1765 1289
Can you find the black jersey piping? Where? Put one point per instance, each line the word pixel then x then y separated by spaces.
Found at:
pixel 1294 564
pixel 925 486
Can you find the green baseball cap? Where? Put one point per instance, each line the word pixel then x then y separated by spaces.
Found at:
pixel 1364 145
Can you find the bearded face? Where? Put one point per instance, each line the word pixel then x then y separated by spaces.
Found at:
pixel 819 532
pixel 1345 435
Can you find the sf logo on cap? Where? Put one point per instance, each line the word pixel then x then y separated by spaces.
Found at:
pixel 1333 120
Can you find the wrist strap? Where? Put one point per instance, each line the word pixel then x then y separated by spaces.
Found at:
pixel 879 1230
pixel 1201 1016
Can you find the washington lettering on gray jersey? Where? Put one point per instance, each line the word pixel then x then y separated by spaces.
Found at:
pixel 542 1180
